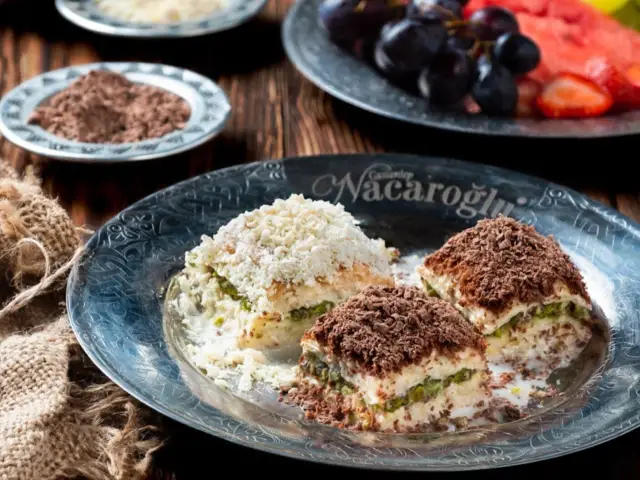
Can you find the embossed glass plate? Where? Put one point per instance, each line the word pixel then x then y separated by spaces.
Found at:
pixel 116 296
pixel 351 80
pixel 87 14
pixel 209 106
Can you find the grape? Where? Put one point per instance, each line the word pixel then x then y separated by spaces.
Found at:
pixel 461 43
pixel 390 69
pixel 490 22
pixel 462 39
pixel 445 10
pixel 448 78
pixel 516 52
pixel 363 50
pixel 396 74
pixel 386 28
pixel 385 65
pixel 483 64
pixel 347 21
pixel 495 89
pixel 408 45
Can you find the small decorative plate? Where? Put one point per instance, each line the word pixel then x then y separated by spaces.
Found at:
pixel 353 81
pixel 209 105
pixel 87 14
pixel 116 297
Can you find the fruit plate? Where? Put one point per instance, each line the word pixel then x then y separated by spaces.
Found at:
pixel 353 81
pixel 116 297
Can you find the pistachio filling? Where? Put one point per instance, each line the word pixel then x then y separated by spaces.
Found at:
pixel 428 389
pixel 306 313
pixel 551 310
pixel 327 375
pixel 297 315
pixel 230 290
pixel 429 289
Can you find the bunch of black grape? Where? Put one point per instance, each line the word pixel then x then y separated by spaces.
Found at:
pixel 427 44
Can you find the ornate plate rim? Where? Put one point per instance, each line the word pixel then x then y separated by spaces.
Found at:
pixel 210 24
pixel 209 103
pixel 292 49
pixel 601 210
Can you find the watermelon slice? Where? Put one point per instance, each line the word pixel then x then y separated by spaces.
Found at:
pixel 557 42
pixel 568 33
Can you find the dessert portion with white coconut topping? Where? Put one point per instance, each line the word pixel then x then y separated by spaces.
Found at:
pixel 518 288
pixel 269 273
pixel 391 359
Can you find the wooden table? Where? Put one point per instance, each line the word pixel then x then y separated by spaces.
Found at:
pixel 277 113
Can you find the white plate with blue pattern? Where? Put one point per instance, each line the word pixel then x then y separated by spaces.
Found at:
pixel 87 14
pixel 210 110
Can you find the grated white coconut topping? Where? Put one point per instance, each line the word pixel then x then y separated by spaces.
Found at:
pixel 289 243
pixel 159 11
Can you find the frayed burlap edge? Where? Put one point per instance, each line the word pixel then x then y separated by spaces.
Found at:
pixel 122 433
pixel 122 437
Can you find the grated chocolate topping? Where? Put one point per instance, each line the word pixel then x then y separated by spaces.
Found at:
pixel 383 329
pixel 106 107
pixel 501 261
pixel 332 411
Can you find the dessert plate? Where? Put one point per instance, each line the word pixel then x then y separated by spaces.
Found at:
pixel 86 14
pixel 210 110
pixel 116 297
pixel 354 82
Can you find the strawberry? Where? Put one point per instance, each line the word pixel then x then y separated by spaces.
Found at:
pixel 626 95
pixel 573 96
pixel 470 105
pixel 528 91
pixel 633 74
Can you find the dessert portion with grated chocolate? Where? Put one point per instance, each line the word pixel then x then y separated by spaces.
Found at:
pixel 518 288
pixel 391 359
pixel 107 107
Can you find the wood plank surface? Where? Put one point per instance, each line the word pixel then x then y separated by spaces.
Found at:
pixel 278 113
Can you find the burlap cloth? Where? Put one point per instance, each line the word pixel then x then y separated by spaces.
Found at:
pixel 59 417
